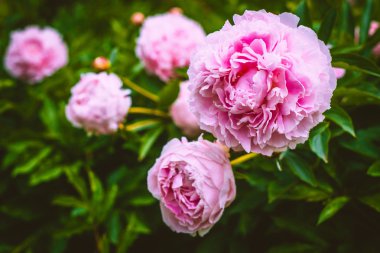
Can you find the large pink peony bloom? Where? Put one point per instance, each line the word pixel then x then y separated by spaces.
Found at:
pixel 194 183
pixel 98 103
pixel 181 114
pixel 166 42
pixel 262 83
pixel 35 53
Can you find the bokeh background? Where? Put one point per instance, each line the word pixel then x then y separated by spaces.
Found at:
pixel 64 191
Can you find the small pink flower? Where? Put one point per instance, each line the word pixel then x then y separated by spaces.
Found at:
pixel 137 18
pixel 166 42
pixel 194 183
pixel 35 53
pixel 262 83
pixel 181 114
pixel 372 30
pixel 339 72
pixel 374 26
pixel 98 103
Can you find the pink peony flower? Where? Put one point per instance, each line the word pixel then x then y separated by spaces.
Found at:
pixel 181 114
pixel 194 183
pixel 339 72
pixel 35 53
pixel 166 42
pixel 262 83
pixel 98 103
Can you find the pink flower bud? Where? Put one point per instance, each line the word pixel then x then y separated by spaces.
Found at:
pixel 137 18
pixel 101 63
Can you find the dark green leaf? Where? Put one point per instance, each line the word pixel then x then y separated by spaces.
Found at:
pixel 148 140
pixel 356 62
pixel 341 118
pixel 32 163
pixel 303 13
pixel 96 188
pixel 366 21
pixel 295 192
pixel 168 94
pixel 319 140
pixel 45 175
pixel 374 170
pixel 113 55
pixel 372 201
pixel 76 180
pixel 347 19
pixel 68 201
pixel 327 25
pixel 332 208
pixel 300 168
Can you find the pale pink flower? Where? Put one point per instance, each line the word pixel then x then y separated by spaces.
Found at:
pixel 166 42
pixel 372 30
pixel 194 183
pixel 98 103
pixel 181 114
pixel 137 18
pixel 262 83
pixel 35 53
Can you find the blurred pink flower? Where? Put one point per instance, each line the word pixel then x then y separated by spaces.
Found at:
pixel 374 26
pixel 339 72
pixel 372 30
pixel 194 183
pixel 166 42
pixel 181 114
pixel 35 53
pixel 262 83
pixel 98 103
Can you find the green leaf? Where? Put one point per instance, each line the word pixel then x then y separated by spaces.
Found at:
pixel 134 227
pixel 340 117
pixel 366 21
pixel 372 201
pixel 300 168
pixel 45 175
pixel 113 55
pixel 32 163
pixel 114 227
pixel 347 19
pixel 327 25
pixel 332 208
pixel 49 117
pixel 76 180
pixel 294 247
pixel 319 140
pixel 302 12
pixel 110 198
pixel 356 96
pixel 96 188
pixel 168 94
pixel 374 170
pixel 148 140
pixel 295 192
pixel 69 201
pixel 356 62
pixel 144 200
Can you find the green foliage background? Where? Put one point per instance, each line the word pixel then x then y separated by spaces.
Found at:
pixel 64 191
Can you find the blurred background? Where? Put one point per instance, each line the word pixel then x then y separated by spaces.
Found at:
pixel 64 191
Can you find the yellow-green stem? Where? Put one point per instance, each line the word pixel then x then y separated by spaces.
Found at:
pixel 243 158
pixel 140 90
pixel 138 125
pixel 147 111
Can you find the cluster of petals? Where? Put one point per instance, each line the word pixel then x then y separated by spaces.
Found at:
pixel 194 183
pixel 262 83
pixel 166 42
pixel 181 114
pixel 35 53
pixel 98 103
